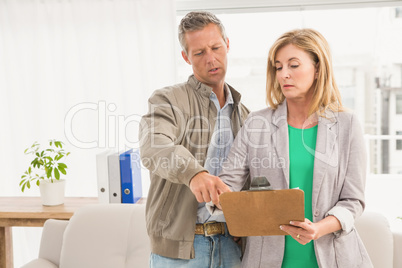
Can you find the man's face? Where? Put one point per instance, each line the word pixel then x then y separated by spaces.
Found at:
pixel 207 54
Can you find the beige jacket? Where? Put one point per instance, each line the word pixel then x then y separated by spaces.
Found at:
pixel 174 138
pixel 262 148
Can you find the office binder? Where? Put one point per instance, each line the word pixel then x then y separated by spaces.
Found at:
pixel 260 213
pixel 130 174
pixel 114 177
pixel 103 176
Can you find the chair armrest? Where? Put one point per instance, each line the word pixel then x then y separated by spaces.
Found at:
pixel 375 232
pixel 397 248
pixel 52 240
pixel 40 263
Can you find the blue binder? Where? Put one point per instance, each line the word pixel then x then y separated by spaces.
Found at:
pixel 130 171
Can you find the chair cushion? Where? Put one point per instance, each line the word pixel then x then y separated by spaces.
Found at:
pixel 106 235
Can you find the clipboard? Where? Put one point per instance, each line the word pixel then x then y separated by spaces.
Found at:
pixel 261 212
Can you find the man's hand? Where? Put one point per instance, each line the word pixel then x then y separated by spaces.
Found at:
pixel 237 240
pixel 207 187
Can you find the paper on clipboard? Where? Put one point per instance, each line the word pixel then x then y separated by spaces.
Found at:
pixel 260 213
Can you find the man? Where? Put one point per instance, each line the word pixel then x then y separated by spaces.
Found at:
pixel 184 139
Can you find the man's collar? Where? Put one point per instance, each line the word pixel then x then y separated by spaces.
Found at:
pixel 200 87
pixel 228 94
pixel 205 90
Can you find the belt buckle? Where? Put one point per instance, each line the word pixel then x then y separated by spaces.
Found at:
pixel 206 228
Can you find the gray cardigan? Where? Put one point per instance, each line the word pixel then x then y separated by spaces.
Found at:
pixel 262 149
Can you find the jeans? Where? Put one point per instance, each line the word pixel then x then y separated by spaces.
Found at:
pixel 218 251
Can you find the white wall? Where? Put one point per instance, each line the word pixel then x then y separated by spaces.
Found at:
pixel 104 57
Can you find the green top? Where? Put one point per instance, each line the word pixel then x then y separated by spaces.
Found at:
pixel 301 176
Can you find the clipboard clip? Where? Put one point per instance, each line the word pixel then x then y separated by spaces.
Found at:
pixel 260 184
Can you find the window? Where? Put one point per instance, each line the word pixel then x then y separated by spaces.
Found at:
pixel 363 46
pixel 399 142
pixel 398 12
pixel 398 103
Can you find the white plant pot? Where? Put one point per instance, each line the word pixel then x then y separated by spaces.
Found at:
pixel 52 193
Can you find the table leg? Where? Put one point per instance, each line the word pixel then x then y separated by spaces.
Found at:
pixel 6 247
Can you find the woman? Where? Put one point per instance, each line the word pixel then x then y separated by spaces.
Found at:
pixel 304 139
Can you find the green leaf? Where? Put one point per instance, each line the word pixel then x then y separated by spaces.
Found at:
pixel 56 173
pixel 38 182
pixel 48 165
pixel 23 176
pixel 29 170
pixel 49 172
pixel 26 150
pixel 62 170
pixel 58 144
pixel 23 187
pixel 62 165
pixel 28 185
pixel 22 181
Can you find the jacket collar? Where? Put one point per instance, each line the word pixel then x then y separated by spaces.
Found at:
pixel 326 151
pixel 327 133
pixel 205 90
pixel 280 137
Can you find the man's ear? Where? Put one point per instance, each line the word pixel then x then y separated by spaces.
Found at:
pixel 227 43
pixel 184 55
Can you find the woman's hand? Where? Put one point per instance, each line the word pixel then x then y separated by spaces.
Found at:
pixel 304 232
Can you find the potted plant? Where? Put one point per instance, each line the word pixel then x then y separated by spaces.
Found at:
pixel 45 171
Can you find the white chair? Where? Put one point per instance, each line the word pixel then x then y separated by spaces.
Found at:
pixel 383 246
pixel 99 236
pixel 114 236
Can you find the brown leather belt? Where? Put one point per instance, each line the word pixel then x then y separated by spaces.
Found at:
pixel 210 228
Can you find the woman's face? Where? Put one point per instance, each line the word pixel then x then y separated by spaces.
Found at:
pixel 296 73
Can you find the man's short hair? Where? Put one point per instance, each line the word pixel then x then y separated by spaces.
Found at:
pixel 195 21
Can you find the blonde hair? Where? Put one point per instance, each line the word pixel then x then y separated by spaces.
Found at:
pixel 326 93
